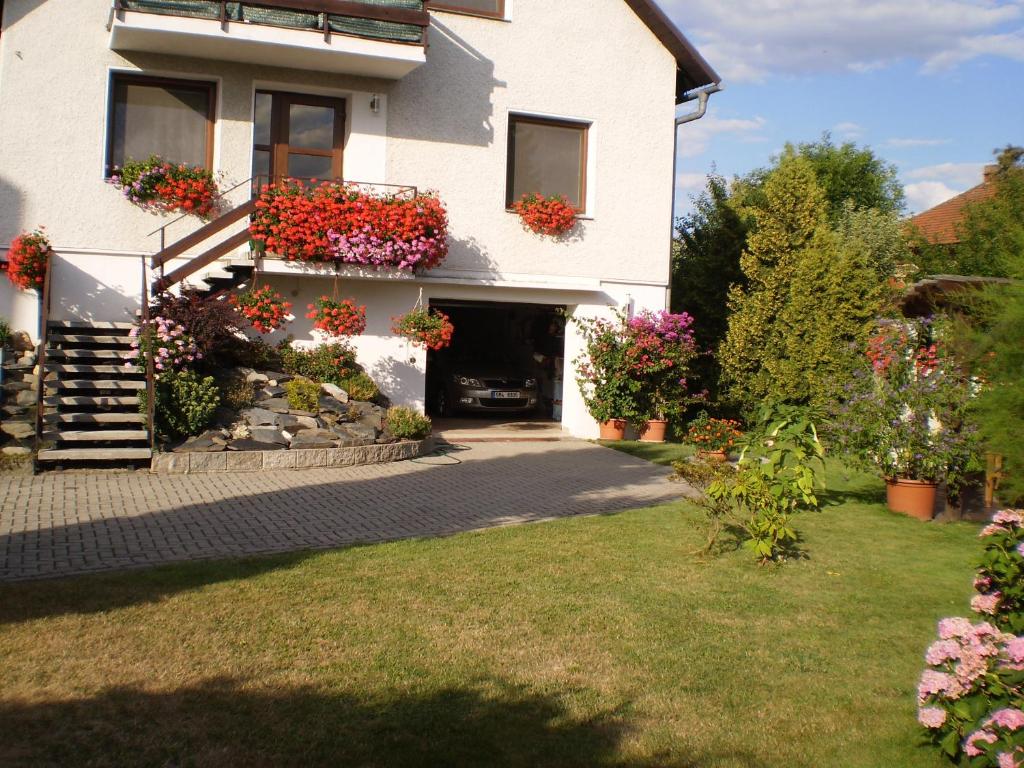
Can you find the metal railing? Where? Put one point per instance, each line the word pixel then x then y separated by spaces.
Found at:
pixel 404 22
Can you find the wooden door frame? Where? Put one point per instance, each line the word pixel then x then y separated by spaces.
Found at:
pixel 280 128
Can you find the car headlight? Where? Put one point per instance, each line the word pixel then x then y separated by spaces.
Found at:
pixel 530 383
pixel 467 381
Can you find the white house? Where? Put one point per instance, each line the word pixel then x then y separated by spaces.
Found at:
pixel 393 92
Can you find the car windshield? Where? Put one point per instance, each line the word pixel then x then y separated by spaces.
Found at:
pixel 489 357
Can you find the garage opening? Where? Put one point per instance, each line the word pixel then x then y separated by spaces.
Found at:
pixel 505 365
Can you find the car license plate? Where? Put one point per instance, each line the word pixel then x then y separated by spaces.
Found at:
pixel 505 395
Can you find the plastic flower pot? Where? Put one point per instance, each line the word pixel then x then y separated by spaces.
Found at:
pixel 654 431
pixel 718 457
pixel 613 429
pixel 915 498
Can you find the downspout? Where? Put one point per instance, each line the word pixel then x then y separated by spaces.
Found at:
pixel 701 96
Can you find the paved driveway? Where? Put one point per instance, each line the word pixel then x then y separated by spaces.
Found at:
pixel 67 523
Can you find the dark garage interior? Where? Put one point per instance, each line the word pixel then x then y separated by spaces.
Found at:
pixel 506 361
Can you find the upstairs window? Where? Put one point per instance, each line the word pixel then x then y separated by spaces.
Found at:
pixel 547 157
pixel 492 9
pixel 172 119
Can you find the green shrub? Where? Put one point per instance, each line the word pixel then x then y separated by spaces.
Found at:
pixel 237 394
pixel 331 363
pixel 303 395
pixel 360 387
pixel 5 333
pixel 185 403
pixel 407 424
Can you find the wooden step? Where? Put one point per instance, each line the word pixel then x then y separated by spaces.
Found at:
pixel 95 454
pixel 75 338
pixel 86 368
pixel 100 418
pixel 105 325
pixel 98 384
pixel 96 354
pixel 97 435
pixel 96 400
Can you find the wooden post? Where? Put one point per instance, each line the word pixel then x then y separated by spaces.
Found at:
pixel 993 475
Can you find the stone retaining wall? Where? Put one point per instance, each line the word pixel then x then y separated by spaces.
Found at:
pixel 257 461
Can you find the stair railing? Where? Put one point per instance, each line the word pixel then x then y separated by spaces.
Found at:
pixel 44 323
pixel 150 370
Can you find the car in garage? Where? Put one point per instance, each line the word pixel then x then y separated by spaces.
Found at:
pixel 483 381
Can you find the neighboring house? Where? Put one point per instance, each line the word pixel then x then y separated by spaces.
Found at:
pixel 941 225
pixel 395 94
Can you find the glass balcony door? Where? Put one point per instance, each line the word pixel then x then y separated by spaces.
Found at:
pixel 298 136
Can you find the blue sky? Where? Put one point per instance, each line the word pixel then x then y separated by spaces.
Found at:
pixel 933 86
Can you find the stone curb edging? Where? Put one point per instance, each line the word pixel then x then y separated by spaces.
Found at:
pixel 307 458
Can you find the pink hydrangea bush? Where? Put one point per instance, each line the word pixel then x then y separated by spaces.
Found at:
pixel 168 342
pixel 971 696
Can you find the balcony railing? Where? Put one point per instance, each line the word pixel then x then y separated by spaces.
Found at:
pixel 393 21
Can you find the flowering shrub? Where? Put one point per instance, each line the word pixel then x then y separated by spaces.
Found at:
pixel 337 318
pixel 264 308
pixel 659 351
pixel 429 328
pixel 340 223
pixel 906 414
pixel 602 374
pixel 713 434
pixel 971 695
pixel 166 187
pixel 26 260
pixel 551 216
pixel 166 341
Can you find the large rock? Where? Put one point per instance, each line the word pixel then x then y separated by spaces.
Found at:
pixel 18 385
pixel 275 404
pixel 14 410
pixel 255 445
pixel 276 378
pixel 254 377
pixel 357 431
pixel 332 405
pixel 270 392
pixel 268 435
pixel 333 390
pixel 21 342
pixel 19 430
pixel 259 417
pixel 297 423
pixel 16 450
pixel 314 438
pixel 25 397
pixel 208 442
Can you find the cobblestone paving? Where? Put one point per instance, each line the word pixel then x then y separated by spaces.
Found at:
pixel 67 523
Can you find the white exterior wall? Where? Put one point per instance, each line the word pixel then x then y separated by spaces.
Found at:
pixel 442 127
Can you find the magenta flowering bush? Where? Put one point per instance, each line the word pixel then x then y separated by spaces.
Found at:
pixel 971 696
pixel 170 346
pixel 659 352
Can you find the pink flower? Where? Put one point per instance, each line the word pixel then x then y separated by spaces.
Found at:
pixel 1010 719
pixel 1009 517
pixel 1015 650
pixel 986 603
pixel 1020 549
pixel 1006 760
pixel 982 583
pixel 935 683
pixel 931 717
pixel 942 651
pixel 992 530
pixel 955 627
pixel 970 746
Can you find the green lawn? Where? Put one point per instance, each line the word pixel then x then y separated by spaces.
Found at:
pixel 584 642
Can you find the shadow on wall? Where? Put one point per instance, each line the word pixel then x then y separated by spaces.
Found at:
pixel 238 721
pixel 415 112
pixel 78 295
pixel 468 255
pixel 400 380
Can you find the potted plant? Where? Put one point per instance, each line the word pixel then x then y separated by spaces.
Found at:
pixel 602 374
pixel 27 258
pixel 167 187
pixel 905 414
pixel 659 350
pixel 264 308
pixel 552 216
pixel 428 328
pixel 337 317
pixel 713 437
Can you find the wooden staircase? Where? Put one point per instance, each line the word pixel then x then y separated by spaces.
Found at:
pixel 90 402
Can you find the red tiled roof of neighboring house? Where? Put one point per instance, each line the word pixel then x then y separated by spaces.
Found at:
pixel 939 225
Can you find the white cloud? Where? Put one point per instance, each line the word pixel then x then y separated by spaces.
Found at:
pixel 694 137
pixel 849 131
pixel 911 143
pixel 959 175
pixel 691 182
pixel 923 195
pixel 749 40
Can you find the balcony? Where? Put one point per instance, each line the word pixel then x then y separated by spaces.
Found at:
pixel 375 38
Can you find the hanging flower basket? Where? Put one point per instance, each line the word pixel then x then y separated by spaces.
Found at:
pixel 168 188
pixel 337 318
pixel 552 216
pixel 26 260
pixel 427 328
pixel 340 223
pixel 264 308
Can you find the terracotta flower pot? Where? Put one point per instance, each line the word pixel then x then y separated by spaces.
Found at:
pixel 911 497
pixel 654 431
pixel 613 429
pixel 719 457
